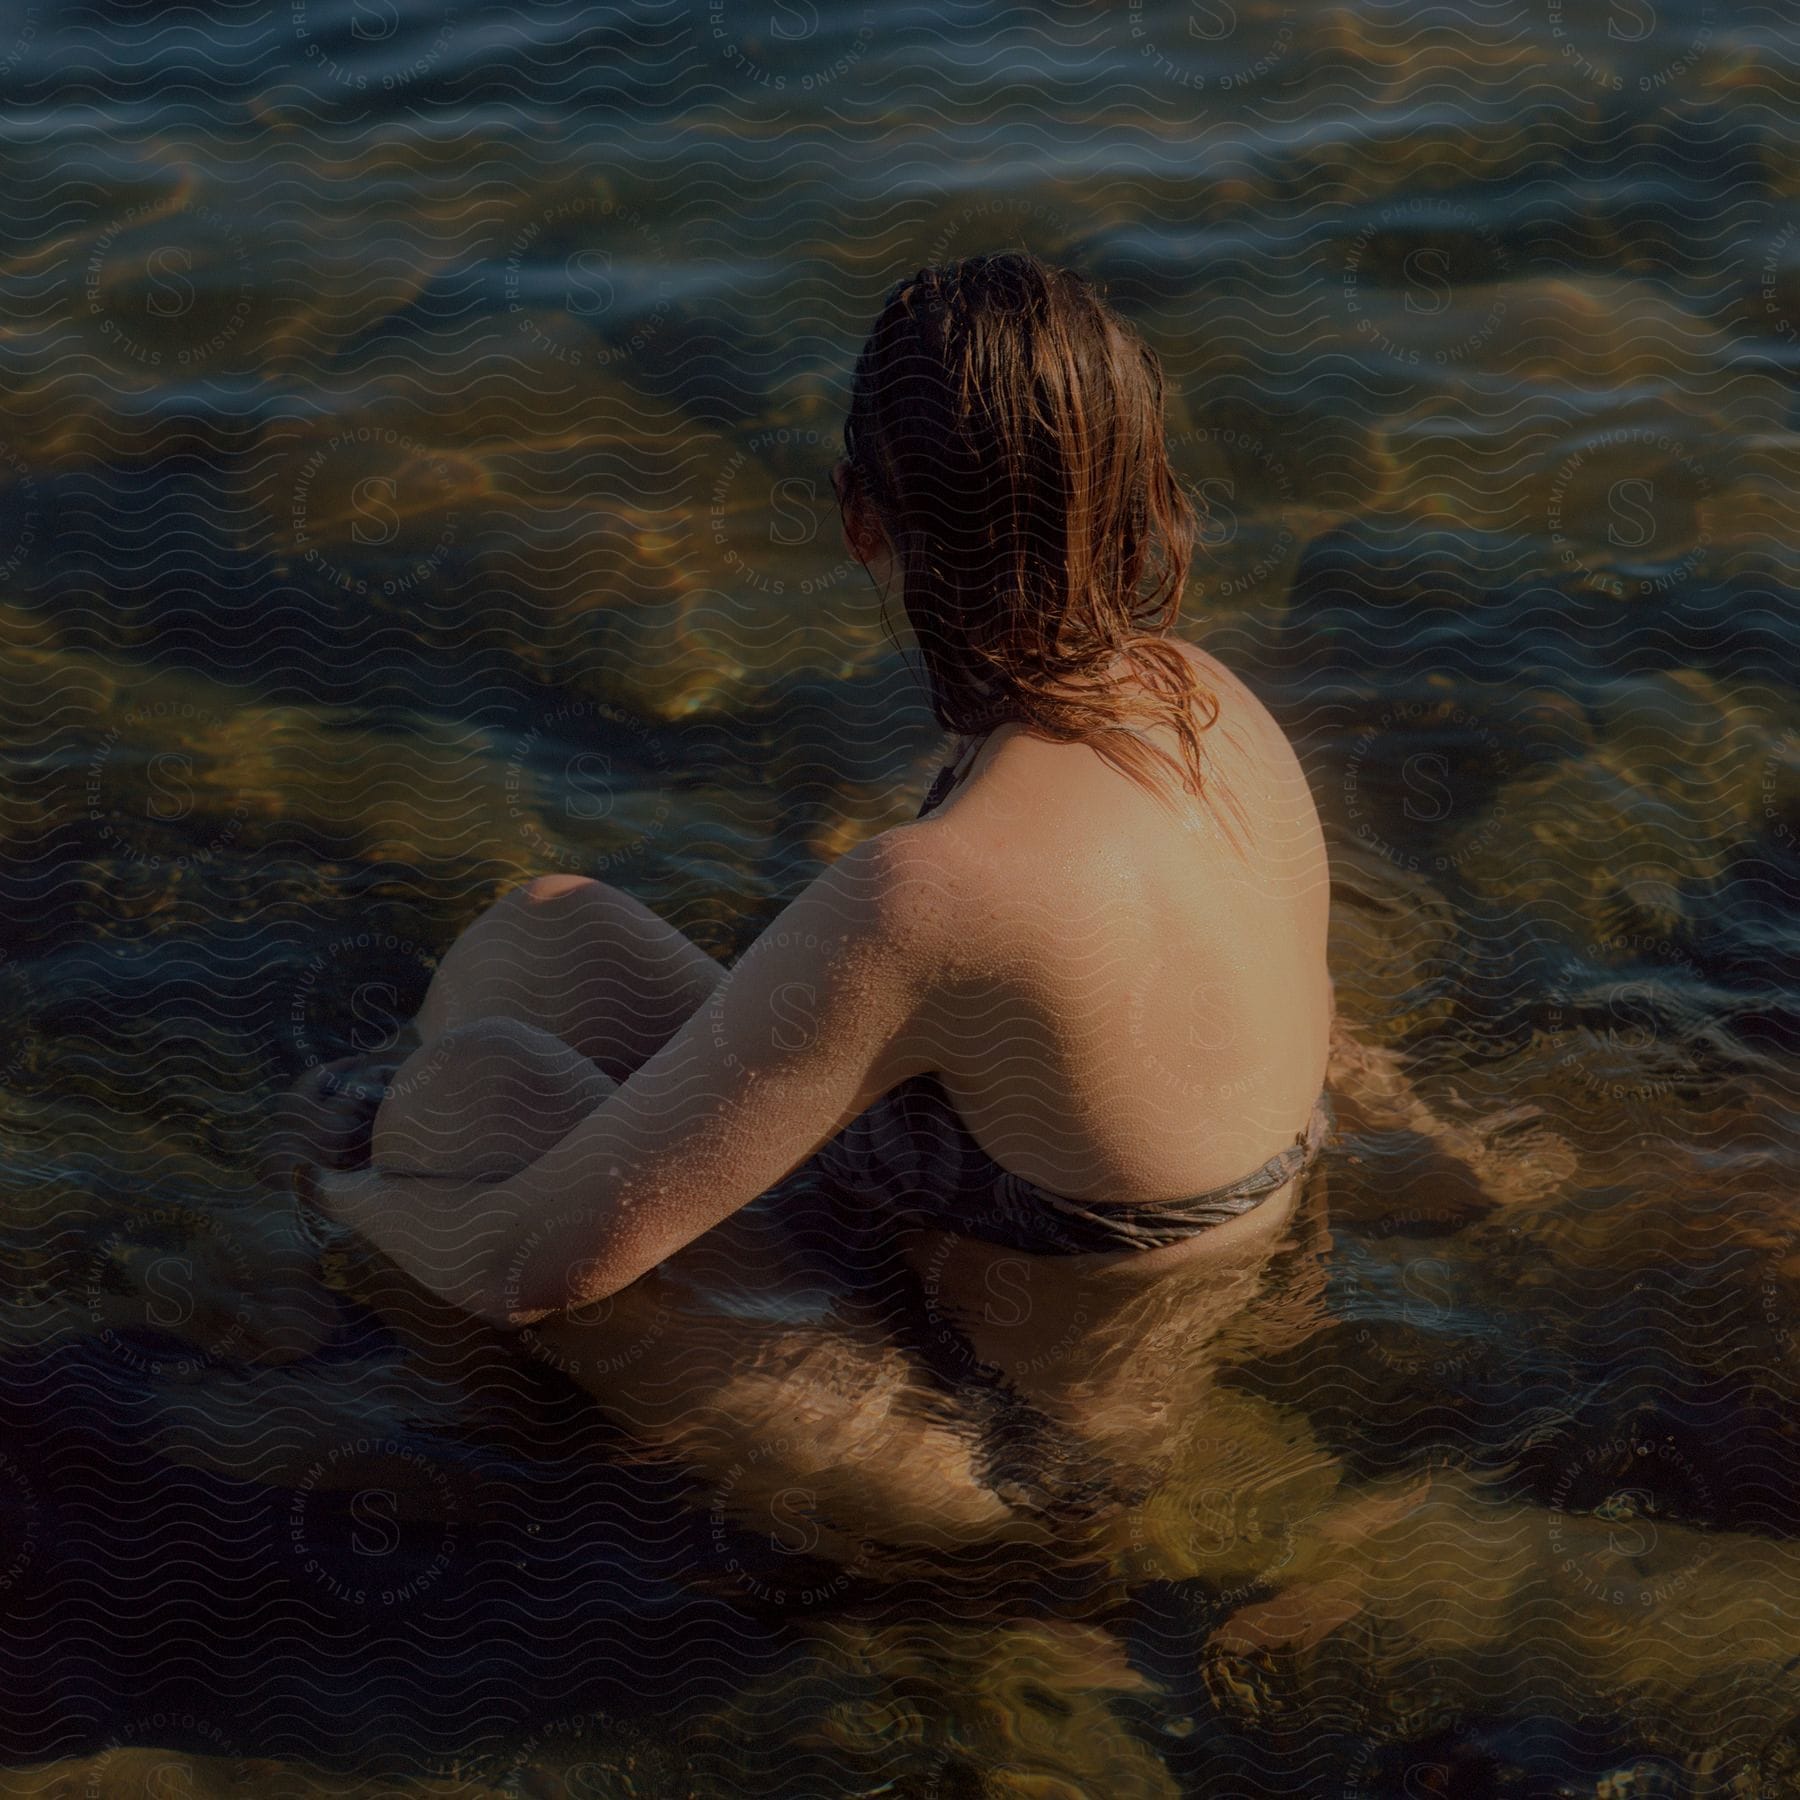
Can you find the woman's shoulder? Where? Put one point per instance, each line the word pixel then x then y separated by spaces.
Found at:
pixel 1008 792
pixel 1248 725
pixel 1217 676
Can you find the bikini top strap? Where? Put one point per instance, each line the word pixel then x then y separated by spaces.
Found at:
pixel 971 748
pixel 950 774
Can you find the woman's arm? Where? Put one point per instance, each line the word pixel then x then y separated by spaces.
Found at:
pixel 814 1022
pixel 446 1231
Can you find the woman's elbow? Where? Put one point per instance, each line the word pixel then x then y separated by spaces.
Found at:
pixel 505 1304
pixel 505 1314
pixel 510 1303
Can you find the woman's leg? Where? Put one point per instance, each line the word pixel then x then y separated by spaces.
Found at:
pixel 826 1429
pixel 565 954
pixel 579 959
pixel 484 1100
pixel 561 988
pixel 821 1429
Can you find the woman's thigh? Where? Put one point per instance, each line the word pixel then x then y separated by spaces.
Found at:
pixel 580 959
pixel 569 955
pixel 824 1426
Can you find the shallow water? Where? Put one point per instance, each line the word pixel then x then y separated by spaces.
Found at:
pixel 416 433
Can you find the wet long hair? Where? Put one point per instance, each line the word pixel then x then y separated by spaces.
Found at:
pixel 1006 426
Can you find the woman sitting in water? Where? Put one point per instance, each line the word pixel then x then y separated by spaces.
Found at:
pixel 1077 1012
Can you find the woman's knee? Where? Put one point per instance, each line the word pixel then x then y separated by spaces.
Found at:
pixel 526 944
pixel 543 890
pixel 553 918
pixel 581 958
pixel 547 905
pixel 595 945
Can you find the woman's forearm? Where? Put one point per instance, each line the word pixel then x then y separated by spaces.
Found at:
pixel 452 1234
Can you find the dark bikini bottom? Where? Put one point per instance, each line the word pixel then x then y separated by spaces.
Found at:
pixel 911 1155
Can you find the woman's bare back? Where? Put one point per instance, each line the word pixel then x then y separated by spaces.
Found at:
pixel 1140 1012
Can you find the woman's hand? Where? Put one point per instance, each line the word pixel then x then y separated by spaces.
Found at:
pixel 353 1196
pixel 327 1115
pixel 451 1233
